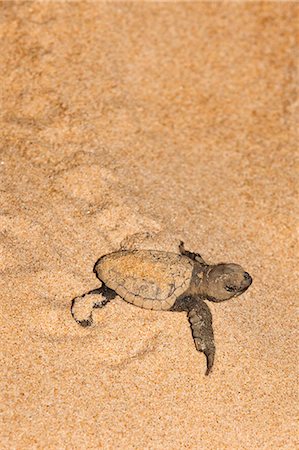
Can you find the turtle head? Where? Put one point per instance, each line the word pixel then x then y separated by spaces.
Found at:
pixel 224 281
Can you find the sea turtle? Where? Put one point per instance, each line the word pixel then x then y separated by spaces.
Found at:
pixel 158 280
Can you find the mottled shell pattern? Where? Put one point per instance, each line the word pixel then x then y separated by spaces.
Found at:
pixel 148 279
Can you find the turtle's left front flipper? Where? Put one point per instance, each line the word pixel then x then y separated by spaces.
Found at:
pixel 200 319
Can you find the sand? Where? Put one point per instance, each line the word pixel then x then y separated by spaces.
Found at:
pixel 140 124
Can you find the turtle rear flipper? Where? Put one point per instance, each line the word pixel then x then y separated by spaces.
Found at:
pixel 83 306
pixel 200 319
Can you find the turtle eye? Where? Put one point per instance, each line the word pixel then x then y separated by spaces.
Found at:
pixel 229 288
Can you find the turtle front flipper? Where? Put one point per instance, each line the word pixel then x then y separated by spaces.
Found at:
pixel 191 255
pixel 83 305
pixel 200 319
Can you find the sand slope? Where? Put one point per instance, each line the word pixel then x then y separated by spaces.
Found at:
pixel 141 124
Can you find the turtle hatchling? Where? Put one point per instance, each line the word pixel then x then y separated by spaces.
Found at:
pixel 164 281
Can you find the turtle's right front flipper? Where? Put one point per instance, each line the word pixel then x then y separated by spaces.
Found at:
pixel 200 319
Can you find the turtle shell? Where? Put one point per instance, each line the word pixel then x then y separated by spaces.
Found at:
pixel 149 279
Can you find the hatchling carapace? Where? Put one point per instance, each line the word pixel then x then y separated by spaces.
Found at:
pixel 165 281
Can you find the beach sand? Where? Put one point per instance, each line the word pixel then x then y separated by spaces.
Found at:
pixel 140 124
